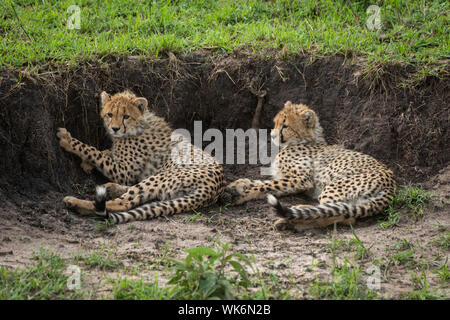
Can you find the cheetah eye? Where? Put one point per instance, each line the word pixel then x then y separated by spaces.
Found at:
pixel 125 116
pixel 109 114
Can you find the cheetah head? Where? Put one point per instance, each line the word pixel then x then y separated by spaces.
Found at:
pixel 296 123
pixel 123 113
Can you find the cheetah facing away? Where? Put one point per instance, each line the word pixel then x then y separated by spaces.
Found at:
pixel 347 184
pixel 154 172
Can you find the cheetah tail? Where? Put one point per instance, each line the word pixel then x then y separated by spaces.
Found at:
pixel 100 201
pixel 280 209
pixel 361 208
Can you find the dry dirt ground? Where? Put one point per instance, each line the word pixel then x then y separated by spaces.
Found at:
pixel 297 259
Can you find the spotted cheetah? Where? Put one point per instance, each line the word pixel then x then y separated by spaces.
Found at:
pixel 154 171
pixel 347 184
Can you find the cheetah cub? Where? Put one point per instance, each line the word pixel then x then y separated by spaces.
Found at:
pixel 347 184
pixel 155 172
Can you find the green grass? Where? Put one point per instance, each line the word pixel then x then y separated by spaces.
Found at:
pixel 407 201
pixel 126 289
pixel 102 259
pixel 353 244
pixel 443 272
pixel 422 289
pixel 44 279
pixel 35 32
pixel 444 240
pixel 346 283
pixel 213 273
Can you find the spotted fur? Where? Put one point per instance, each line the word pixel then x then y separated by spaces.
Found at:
pixel 347 184
pixel 154 172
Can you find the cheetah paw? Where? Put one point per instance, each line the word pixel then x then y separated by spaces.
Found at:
pixel 64 138
pixel 72 204
pixel 235 192
pixel 283 225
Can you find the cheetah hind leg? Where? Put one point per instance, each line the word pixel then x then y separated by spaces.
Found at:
pixel 88 207
pixel 302 224
pixel 290 224
pixel 83 207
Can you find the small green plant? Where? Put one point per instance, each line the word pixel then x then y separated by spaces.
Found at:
pixel 269 287
pixel 202 274
pixel 345 283
pixel 362 251
pixel 409 200
pixel 443 272
pixel 337 244
pixel 405 257
pixel 103 225
pixel 349 245
pixel 402 252
pixel 217 215
pixel 422 289
pixel 195 216
pixel 444 238
pixel 102 260
pixel 44 279
pixel 126 289
pixel 401 244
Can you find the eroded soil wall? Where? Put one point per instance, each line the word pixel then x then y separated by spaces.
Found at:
pixel 408 129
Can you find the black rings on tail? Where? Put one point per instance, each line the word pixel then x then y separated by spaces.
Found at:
pixel 280 210
pixel 100 201
pixel 364 207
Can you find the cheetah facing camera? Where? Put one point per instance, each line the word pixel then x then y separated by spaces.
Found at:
pixel 347 184
pixel 154 171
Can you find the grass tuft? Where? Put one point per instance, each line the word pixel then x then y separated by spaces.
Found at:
pixel 345 284
pixel 44 279
pixel 407 201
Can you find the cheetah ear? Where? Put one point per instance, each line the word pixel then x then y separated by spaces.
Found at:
pixel 141 103
pixel 288 103
pixel 308 119
pixel 104 98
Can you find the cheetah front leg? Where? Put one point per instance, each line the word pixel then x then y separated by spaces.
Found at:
pixel 75 146
pixel 87 166
pixel 92 157
pixel 243 190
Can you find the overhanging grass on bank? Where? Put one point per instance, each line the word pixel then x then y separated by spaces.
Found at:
pixel 36 32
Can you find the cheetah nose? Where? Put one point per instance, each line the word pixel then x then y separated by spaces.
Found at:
pixel 115 129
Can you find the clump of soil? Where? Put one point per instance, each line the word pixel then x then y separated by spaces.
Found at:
pixel 406 128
